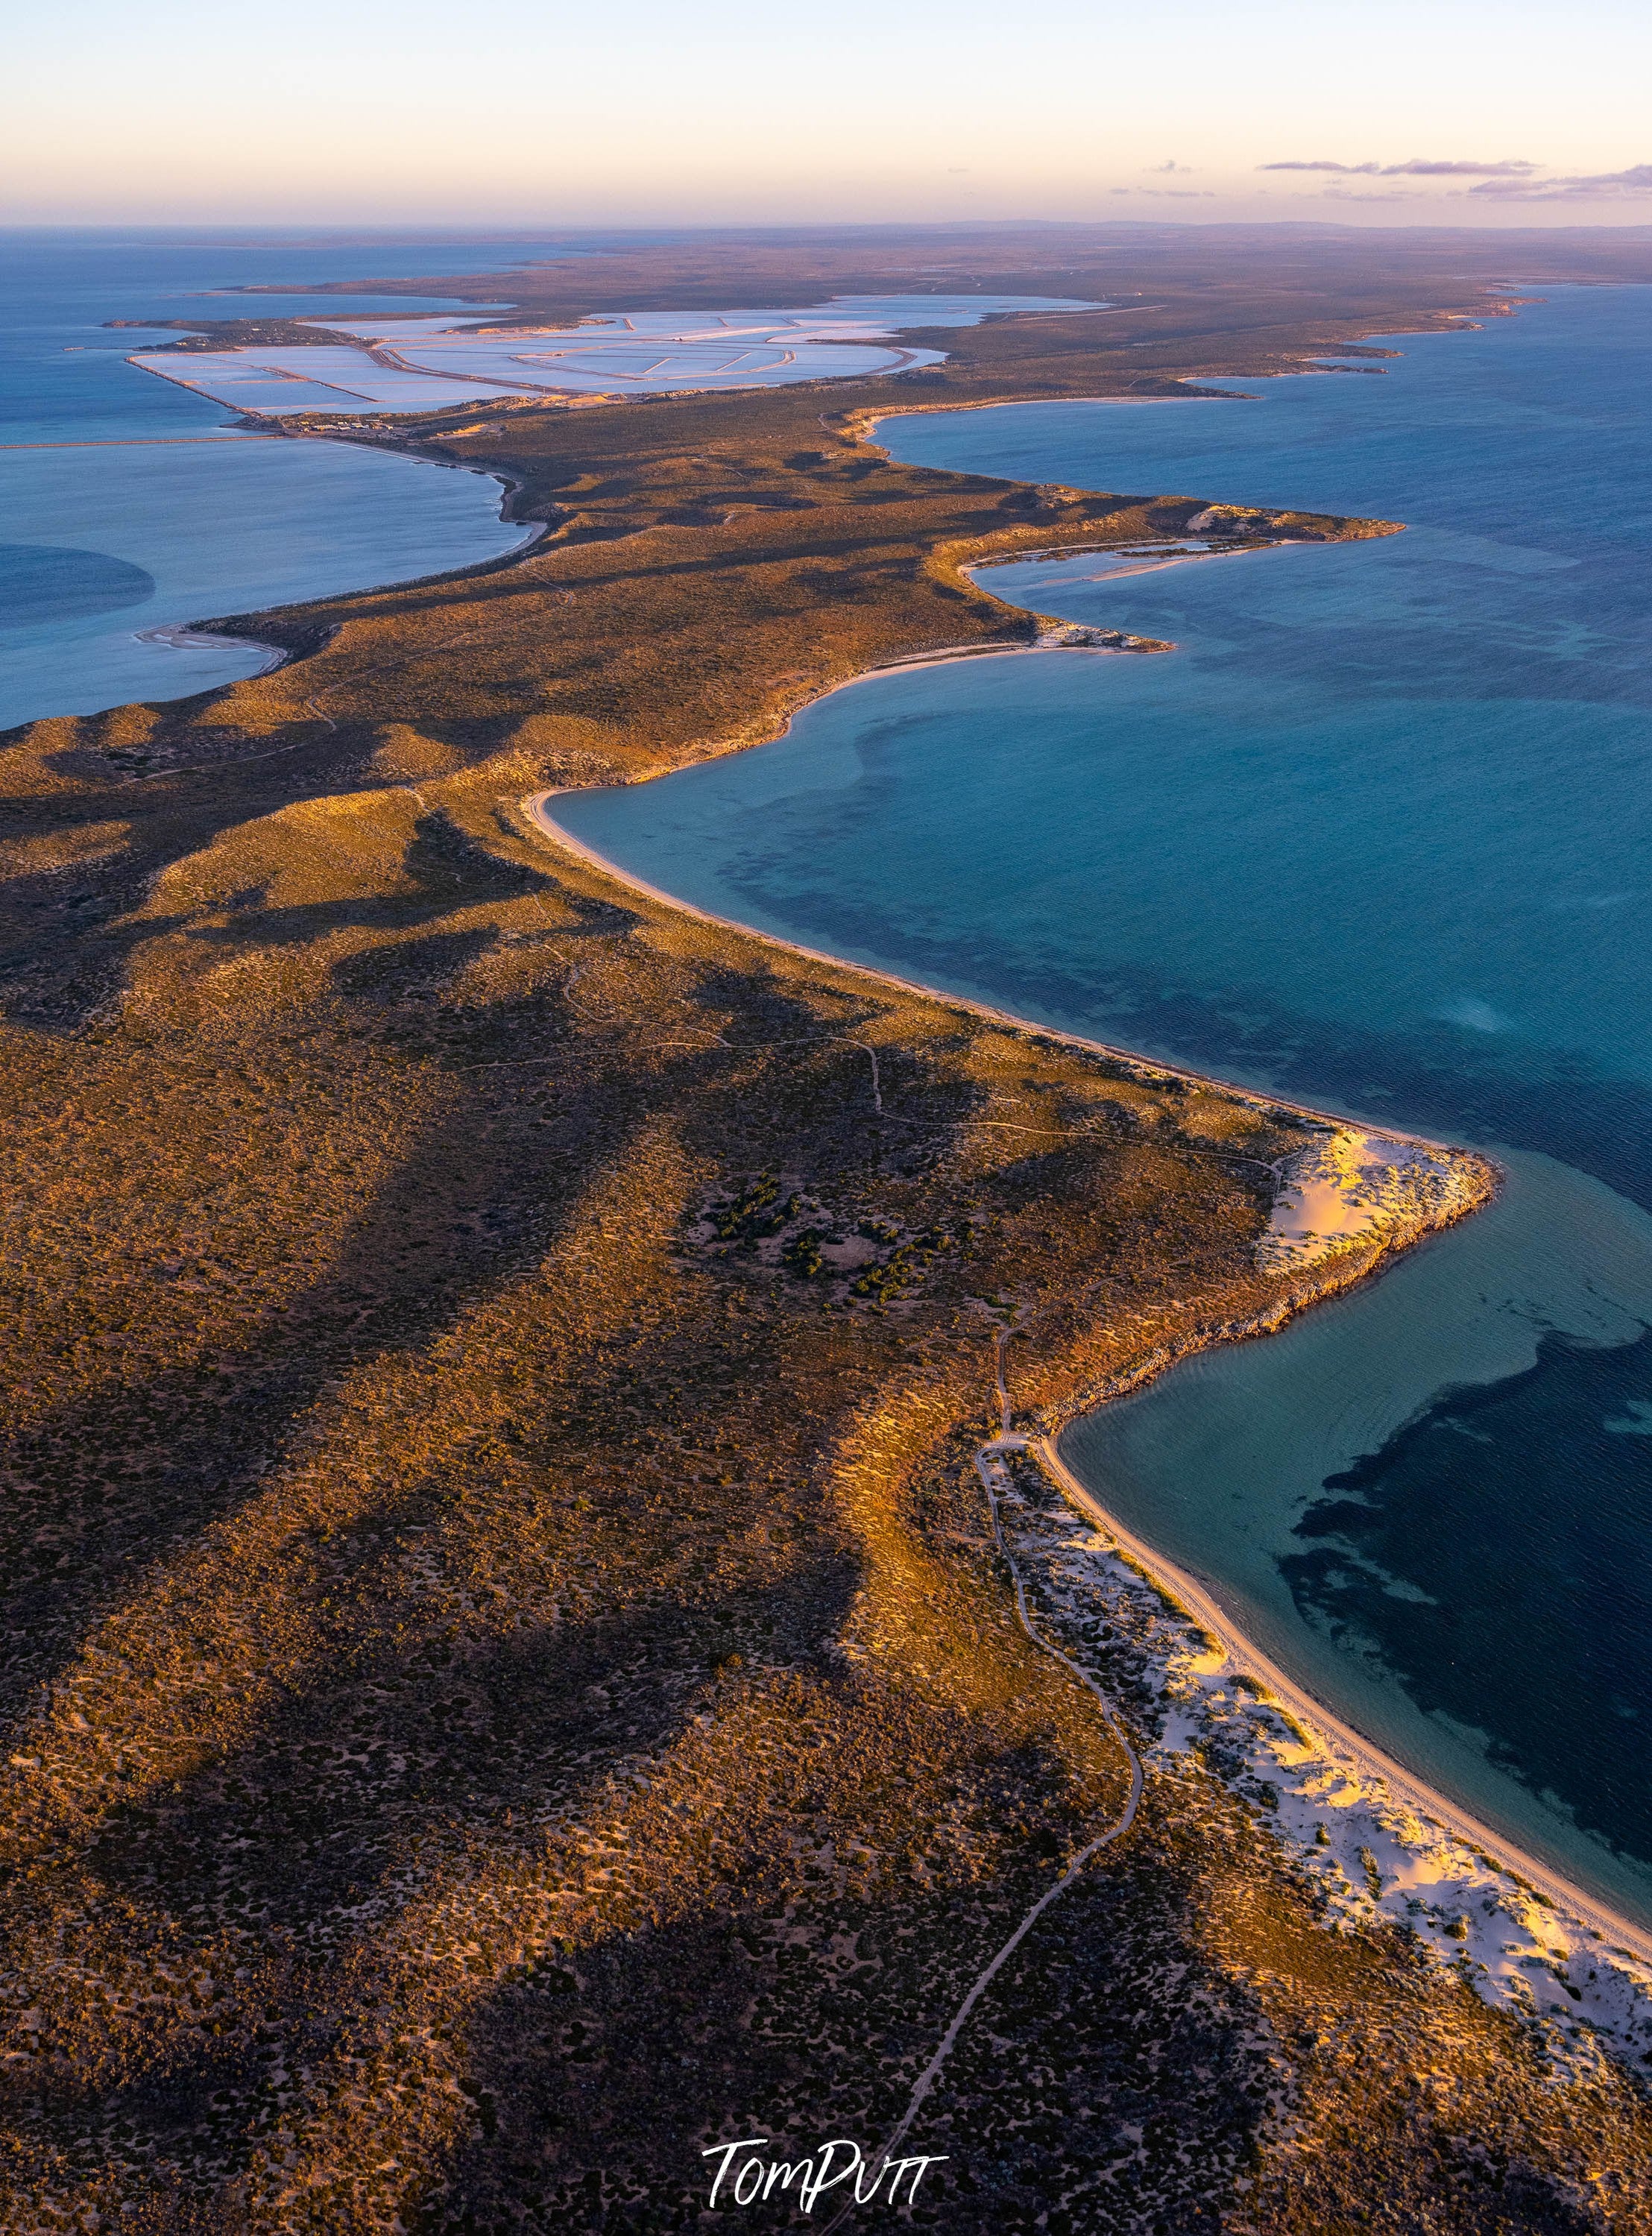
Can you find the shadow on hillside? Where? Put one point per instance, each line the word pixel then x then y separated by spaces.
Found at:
pixel 139 1464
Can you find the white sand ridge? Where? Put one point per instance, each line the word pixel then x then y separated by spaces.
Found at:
pixel 1374 1853
pixel 1350 1187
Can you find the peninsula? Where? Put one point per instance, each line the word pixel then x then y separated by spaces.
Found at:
pixel 544 1635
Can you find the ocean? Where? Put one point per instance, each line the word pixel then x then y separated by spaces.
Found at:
pixel 1376 836
pixel 128 506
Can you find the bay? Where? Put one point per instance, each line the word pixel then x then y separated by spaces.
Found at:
pixel 128 505
pixel 1378 835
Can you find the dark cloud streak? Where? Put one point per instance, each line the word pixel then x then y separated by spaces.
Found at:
pixel 1418 167
pixel 1600 186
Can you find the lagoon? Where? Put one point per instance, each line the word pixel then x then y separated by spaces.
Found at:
pixel 94 563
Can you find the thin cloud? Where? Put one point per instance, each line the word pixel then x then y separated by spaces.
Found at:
pixel 1184 170
pixel 1386 195
pixel 1418 167
pixel 1599 186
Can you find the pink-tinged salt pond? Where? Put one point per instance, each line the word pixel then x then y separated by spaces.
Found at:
pixel 423 364
pixel 328 377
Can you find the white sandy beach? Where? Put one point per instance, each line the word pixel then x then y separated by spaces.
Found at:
pixel 1394 1847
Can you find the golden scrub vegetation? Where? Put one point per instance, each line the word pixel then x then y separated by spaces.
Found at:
pixel 508 1682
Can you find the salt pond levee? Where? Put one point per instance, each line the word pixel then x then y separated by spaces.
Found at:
pixel 419 364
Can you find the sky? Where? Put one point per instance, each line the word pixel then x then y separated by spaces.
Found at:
pixel 537 112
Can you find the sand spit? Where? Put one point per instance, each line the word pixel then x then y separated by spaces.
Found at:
pixel 1145 559
pixel 181 637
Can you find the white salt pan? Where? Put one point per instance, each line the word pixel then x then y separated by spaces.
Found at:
pixel 420 364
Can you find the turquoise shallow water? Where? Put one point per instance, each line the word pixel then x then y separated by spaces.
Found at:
pixel 126 506
pixel 1379 835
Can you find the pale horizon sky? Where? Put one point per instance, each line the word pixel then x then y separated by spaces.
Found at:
pixel 538 113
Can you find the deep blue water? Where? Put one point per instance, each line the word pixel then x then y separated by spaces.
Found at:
pixel 1458 1474
pixel 1379 834
pixel 125 506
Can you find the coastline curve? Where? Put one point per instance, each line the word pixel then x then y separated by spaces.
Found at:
pixel 1332 1732
pixel 533 805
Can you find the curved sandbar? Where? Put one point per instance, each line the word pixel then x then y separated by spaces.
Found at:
pixel 182 636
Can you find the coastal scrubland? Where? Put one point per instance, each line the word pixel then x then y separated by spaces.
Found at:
pixel 509 1680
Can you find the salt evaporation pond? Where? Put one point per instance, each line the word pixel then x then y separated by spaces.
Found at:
pixel 647 353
